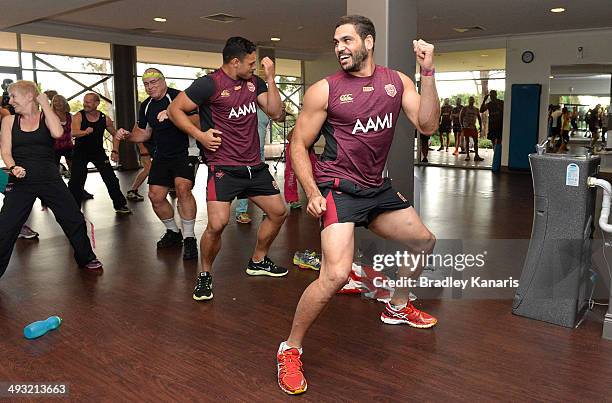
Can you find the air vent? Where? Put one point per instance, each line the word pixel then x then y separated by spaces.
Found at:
pixel 468 29
pixel 222 17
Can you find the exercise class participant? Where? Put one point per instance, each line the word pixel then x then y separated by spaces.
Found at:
pixel 88 126
pixel 357 109
pixel 227 100
pixel 171 166
pixel 26 143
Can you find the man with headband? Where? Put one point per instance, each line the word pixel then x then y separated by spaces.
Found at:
pixel 171 166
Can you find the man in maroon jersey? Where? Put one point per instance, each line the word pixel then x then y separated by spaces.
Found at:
pixel 227 102
pixel 356 110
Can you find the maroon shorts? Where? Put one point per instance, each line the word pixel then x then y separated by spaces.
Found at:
pixel 469 133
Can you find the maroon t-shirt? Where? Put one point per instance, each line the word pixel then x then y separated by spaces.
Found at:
pixel 361 116
pixel 229 106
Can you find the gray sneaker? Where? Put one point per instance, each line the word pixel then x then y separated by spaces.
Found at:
pixel 27 233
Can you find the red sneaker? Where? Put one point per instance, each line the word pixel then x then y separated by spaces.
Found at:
pixel 409 315
pixel 290 376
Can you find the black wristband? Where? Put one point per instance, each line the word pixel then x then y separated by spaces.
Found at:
pixel 11 168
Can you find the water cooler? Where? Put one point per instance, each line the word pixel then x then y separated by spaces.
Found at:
pixel 556 282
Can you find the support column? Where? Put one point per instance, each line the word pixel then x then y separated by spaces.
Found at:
pixel 123 59
pixel 395 22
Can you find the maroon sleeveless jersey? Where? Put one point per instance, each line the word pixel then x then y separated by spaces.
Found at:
pixel 361 116
pixel 230 106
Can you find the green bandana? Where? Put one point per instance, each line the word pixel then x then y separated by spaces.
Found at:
pixel 152 74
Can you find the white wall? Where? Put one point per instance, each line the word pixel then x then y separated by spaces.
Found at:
pixel 319 68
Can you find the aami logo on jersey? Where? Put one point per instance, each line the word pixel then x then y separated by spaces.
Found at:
pixel 243 110
pixel 374 123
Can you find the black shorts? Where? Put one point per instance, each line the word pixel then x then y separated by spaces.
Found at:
pixel 163 171
pixel 225 183
pixel 346 202
pixel 457 129
pixel 150 146
pixel 444 128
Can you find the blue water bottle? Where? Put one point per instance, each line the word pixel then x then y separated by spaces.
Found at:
pixel 37 329
pixel 3 180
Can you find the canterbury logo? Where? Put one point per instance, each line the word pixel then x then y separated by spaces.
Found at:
pixel 346 98
pixel 243 110
pixel 375 124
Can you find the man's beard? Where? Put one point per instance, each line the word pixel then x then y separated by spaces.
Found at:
pixel 358 60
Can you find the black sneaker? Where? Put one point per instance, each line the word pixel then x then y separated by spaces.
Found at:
pixel 265 268
pixel 170 238
pixel 133 195
pixel 203 288
pixel 190 248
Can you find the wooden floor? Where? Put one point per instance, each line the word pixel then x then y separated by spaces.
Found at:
pixel 134 333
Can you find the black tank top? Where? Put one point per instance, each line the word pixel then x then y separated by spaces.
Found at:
pixel 92 143
pixel 34 152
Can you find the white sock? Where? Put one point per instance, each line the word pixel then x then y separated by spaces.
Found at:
pixel 398 307
pixel 188 228
pixel 284 346
pixel 171 224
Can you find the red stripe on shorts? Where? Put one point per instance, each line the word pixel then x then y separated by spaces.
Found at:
pixel 330 216
pixel 211 191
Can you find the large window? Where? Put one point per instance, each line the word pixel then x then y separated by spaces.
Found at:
pixel 70 67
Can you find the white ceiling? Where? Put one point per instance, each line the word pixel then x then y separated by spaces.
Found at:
pixel 304 26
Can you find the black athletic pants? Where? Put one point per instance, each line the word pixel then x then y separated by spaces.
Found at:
pixel 18 202
pixel 78 176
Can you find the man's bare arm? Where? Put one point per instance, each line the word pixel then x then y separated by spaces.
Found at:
pixel 177 112
pixel 270 101
pixel 76 127
pixel 423 110
pixel 305 133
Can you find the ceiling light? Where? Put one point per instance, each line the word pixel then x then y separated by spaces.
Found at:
pixel 41 42
pixel 159 19
pixel 557 10
pixel 483 55
pixel 551 77
pixel 275 39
